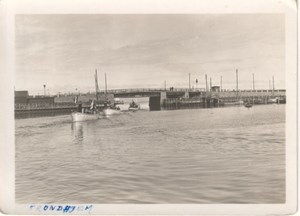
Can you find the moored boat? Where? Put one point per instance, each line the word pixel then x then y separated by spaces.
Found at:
pixel 234 103
pixel 248 105
pixel 272 100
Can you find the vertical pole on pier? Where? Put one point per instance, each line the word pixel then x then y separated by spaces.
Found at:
pixel 206 87
pixel 269 84
pixel 44 90
pixel 210 85
pixel 166 85
pixel 253 81
pixel 221 84
pixel 273 85
pixel 189 81
pixel 219 92
pixel 253 88
pixel 237 83
pixel 206 95
pixel 105 86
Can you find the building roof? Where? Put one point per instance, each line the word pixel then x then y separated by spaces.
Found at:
pixel 21 93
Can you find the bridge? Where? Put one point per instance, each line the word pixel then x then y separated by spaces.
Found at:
pixel 193 92
pixel 147 92
pixel 171 98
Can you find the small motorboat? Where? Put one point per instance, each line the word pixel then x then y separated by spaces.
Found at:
pixel 133 106
pixel 79 116
pixel 272 100
pixel 234 103
pixel 248 105
pixel 118 101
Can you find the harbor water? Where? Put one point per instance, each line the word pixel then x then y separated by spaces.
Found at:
pixel 220 155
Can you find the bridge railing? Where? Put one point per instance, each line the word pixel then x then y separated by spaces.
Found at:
pixel 143 90
pixel 256 90
pixel 147 90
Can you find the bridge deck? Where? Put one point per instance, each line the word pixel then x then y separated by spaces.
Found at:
pixel 145 90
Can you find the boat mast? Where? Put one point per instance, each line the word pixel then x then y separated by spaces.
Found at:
pixel 105 87
pixel 237 84
pixel 96 85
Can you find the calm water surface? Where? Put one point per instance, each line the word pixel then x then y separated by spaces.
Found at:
pixel 221 155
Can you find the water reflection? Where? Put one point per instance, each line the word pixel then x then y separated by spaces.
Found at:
pixel 77 132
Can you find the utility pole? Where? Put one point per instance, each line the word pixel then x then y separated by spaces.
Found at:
pixel 44 90
pixel 105 86
pixel 237 83
pixel 273 85
pixel 189 81
pixel 269 84
pixel 206 87
pixel 210 85
pixel 253 81
pixel 221 84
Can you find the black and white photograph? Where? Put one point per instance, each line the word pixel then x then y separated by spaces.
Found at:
pixel 150 108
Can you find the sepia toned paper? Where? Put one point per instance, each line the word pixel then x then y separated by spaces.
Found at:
pixel 148 107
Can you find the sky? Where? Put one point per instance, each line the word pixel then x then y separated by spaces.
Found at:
pixel 145 51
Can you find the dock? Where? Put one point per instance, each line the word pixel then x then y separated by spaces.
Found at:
pixel 159 99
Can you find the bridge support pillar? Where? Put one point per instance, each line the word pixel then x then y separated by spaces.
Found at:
pixel 163 96
pixel 156 102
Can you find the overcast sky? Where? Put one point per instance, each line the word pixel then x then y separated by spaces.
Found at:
pixel 63 51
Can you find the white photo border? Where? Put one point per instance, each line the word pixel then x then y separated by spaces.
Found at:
pixel 10 8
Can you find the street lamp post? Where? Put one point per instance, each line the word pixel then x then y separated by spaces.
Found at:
pixel 44 90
